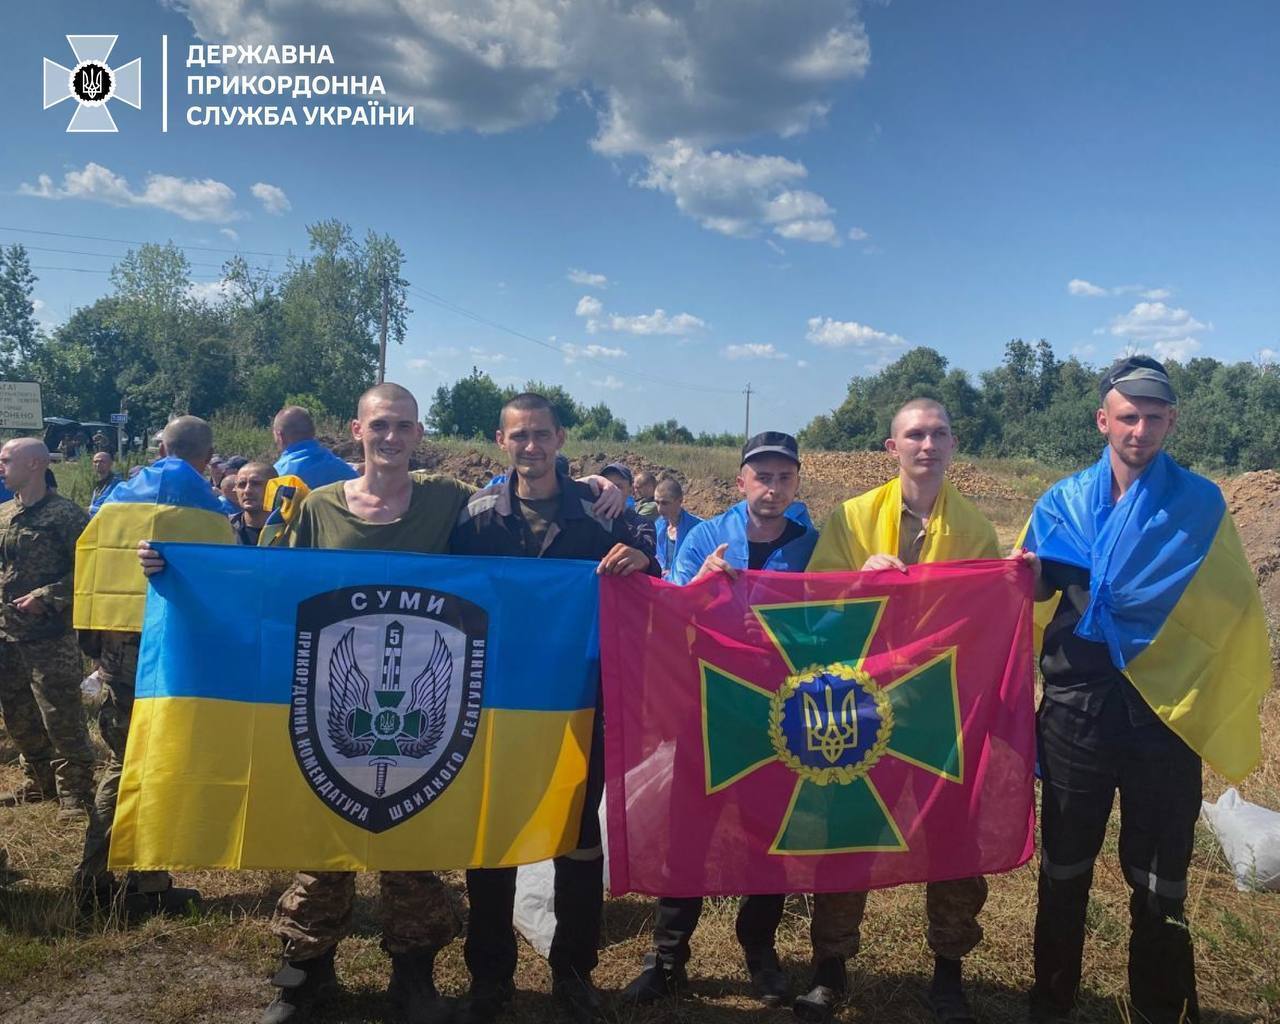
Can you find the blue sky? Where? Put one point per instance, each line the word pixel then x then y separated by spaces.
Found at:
pixel 710 194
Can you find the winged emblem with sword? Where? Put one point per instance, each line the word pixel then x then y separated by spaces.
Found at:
pixel 389 722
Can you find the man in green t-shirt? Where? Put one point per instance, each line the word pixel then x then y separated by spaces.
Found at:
pixel 387 508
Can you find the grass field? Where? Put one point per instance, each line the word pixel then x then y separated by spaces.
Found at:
pixel 56 966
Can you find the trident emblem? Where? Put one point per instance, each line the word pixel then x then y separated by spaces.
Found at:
pixel 91 82
pixel 827 732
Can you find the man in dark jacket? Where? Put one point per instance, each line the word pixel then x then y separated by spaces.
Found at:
pixel 540 513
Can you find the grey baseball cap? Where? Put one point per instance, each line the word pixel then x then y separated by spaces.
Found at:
pixel 1138 377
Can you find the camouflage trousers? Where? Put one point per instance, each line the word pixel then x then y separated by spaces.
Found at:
pixel 417 910
pixel 952 908
pixel 118 668
pixel 40 701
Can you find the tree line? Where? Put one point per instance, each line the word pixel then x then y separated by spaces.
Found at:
pixel 1035 405
pixel 309 334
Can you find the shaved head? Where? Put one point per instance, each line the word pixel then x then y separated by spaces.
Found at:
pixel 190 439
pixel 917 405
pixel 292 424
pixel 24 460
pixel 387 392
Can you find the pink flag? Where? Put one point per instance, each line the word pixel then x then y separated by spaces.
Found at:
pixel 826 732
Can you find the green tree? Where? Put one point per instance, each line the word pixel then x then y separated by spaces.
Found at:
pixel 598 424
pixel 568 410
pixel 467 408
pixel 668 432
pixel 18 327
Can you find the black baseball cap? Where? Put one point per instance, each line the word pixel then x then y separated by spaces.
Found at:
pixel 771 442
pixel 620 469
pixel 1138 377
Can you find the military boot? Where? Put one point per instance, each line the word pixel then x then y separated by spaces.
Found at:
pixel 32 791
pixel 827 991
pixel 413 989
pixel 303 985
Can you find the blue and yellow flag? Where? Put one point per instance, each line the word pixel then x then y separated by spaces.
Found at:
pixel 364 710
pixel 167 501
pixel 1172 596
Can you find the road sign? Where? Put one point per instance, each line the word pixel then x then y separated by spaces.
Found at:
pixel 20 407
pixel 119 418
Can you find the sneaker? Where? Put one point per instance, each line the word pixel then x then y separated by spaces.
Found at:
pixel 827 991
pixel 655 984
pixel 73 809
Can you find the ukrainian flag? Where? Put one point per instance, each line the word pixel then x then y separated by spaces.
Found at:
pixel 1172 596
pixel 352 710
pixel 167 501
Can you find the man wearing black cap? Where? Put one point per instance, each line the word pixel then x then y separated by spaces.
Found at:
pixel 1097 733
pixel 768 529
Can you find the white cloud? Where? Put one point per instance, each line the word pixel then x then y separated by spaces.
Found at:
pixel 272 198
pixel 212 292
pixel 481 355
pixel 587 279
pixel 1179 349
pixel 1267 357
pixel 694 75
pixel 572 352
pixel 1150 322
pixel 588 305
pixel 610 382
pixel 849 333
pixel 230 233
pixel 420 364
pixel 856 234
pixel 1079 286
pixel 752 350
pixel 445 352
pixel 741 195
pixel 37 305
pixel 190 198
pixel 657 322
pixel 802 363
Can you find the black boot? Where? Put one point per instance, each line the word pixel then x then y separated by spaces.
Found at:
pixel 577 997
pixel 656 982
pixel 946 993
pixel 303 985
pixel 486 1000
pixel 768 982
pixel 413 988
pixel 827 991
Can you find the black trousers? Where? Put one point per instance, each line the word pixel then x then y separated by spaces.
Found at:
pixel 1084 759
pixel 676 919
pixel 490 947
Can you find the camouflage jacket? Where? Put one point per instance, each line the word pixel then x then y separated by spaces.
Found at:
pixel 38 556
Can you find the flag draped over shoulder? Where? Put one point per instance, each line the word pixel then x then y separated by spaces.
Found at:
pixel 1171 595
pixel 166 501
pixel 365 710
pixel 869 524
pixel 791 732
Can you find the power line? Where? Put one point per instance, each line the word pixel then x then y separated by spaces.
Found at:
pixel 116 256
pixel 419 292
pixel 416 290
pixel 134 241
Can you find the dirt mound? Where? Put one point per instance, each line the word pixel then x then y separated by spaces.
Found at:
pixel 1254 501
pixel 472 466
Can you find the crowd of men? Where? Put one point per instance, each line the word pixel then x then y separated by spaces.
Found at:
pixel 1096 733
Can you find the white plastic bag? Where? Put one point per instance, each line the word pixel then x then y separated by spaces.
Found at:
pixel 535 910
pixel 91 685
pixel 1250 839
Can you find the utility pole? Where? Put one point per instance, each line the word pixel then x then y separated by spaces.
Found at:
pixel 746 434
pixel 382 343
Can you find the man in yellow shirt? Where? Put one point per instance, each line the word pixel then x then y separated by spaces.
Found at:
pixel 918 516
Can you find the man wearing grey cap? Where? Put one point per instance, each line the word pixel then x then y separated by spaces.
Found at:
pixel 1096 732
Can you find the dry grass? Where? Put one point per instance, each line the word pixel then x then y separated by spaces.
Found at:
pixel 56 966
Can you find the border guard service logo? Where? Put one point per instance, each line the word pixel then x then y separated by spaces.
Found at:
pixel 92 83
pixel 388 686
